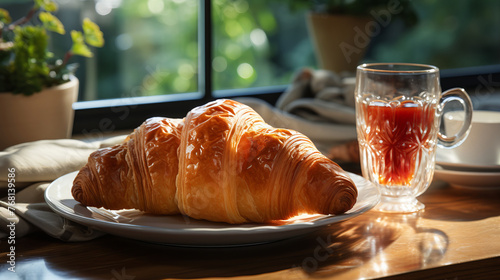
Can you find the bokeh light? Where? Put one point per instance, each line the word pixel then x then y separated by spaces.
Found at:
pixel 258 37
pixel 233 51
pixel 186 71
pixel 181 84
pixel 103 8
pixel 245 70
pixel 156 6
pixel 219 64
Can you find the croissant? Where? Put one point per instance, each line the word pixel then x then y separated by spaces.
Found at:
pixel 221 163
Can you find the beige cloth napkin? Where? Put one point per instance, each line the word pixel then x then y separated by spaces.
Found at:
pixel 318 103
pixel 33 166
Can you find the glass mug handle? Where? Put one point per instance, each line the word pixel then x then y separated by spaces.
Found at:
pixel 460 95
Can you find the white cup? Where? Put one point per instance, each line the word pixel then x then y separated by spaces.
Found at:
pixel 482 146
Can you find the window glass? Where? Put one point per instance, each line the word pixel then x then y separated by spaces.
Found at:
pixel 257 43
pixel 150 46
pixel 262 43
pixel 448 34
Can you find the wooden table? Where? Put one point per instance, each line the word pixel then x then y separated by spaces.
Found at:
pixel 456 237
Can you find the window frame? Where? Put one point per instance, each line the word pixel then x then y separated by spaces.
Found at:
pixel 96 118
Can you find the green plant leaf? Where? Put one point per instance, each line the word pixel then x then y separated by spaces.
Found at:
pixel 47 5
pixel 5 16
pixel 52 23
pixel 93 34
pixel 28 70
pixel 79 47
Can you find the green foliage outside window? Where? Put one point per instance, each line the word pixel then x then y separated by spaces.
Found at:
pixel 152 46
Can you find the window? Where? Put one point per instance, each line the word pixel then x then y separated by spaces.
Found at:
pixel 257 43
pixel 152 47
pixel 163 57
pixel 449 34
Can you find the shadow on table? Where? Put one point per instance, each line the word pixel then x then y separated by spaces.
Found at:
pixel 418 248
pixel 339 245
pixel 331 251
pixel 444 202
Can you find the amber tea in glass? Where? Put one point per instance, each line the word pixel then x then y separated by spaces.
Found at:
pixel 398 113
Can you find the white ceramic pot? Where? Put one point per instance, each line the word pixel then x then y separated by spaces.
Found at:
pixel 44 115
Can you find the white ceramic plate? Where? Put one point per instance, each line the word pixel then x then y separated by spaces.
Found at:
pixel 182 230
pixel 449 162
pixel 468 179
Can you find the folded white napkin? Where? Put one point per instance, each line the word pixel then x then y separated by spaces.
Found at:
pixel 31 167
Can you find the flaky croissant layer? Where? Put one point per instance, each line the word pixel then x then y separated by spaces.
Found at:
pixel 221 163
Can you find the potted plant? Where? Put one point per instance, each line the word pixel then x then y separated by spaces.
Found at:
pixel 341 29
pixel 37 89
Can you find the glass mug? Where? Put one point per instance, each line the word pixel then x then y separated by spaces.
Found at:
pixel 399 108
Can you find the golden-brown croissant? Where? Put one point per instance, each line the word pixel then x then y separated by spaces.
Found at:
pixel 137 174
pixel 221 163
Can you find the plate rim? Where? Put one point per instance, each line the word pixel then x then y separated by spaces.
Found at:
pixel 443 160
pixel 467 172
pixel 461 177
pixel 469 167
pixel 249 230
